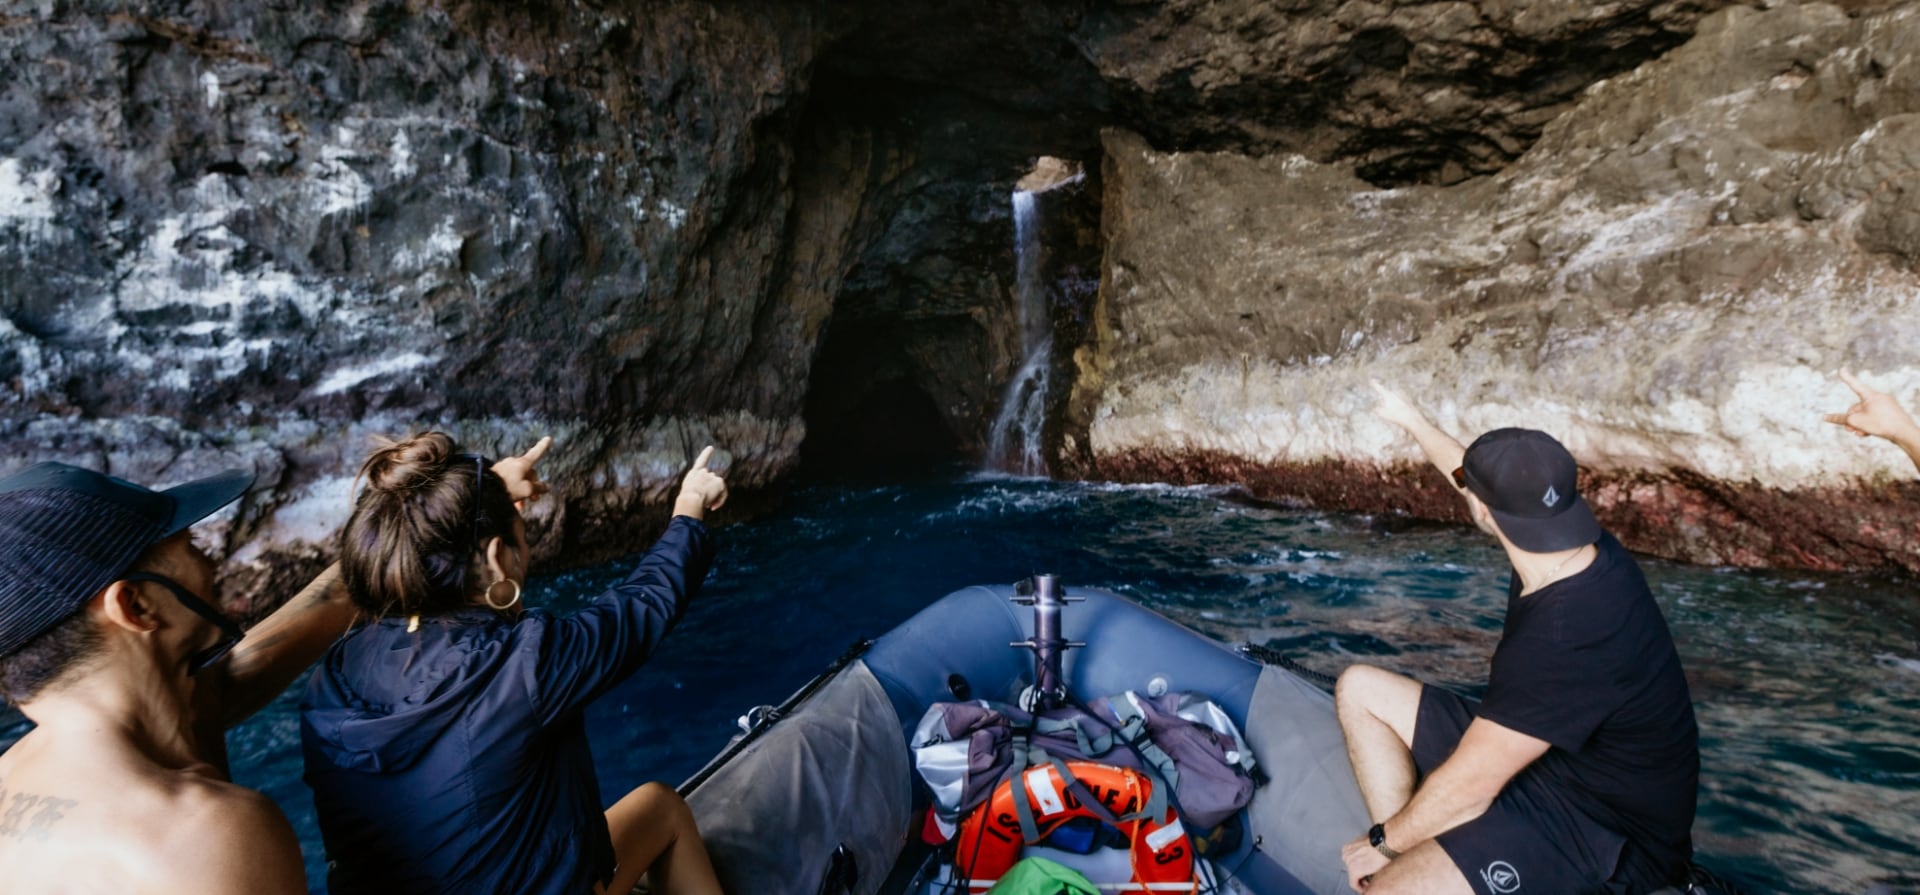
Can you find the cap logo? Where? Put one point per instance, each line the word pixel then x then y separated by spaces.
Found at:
pixel 1551 498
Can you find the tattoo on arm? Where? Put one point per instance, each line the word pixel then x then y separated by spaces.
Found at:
pixel 26 815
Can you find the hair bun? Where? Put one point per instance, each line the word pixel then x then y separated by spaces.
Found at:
pixel 399 467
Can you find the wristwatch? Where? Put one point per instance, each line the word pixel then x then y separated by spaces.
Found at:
pixel 1377 837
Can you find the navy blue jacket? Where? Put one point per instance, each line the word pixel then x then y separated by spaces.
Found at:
pixel 454 758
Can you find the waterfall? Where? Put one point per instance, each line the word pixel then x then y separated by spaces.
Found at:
pixel 1014 444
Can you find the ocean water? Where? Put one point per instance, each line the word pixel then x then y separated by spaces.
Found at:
pixel 1807 686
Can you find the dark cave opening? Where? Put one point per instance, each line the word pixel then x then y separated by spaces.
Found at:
pixel 934 324
pixel 867 417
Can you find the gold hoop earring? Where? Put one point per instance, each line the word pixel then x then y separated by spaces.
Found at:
pixel 502 607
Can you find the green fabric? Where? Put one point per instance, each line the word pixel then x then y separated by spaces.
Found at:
pixel 1039 876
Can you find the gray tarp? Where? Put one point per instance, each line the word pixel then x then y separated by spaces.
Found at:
pixel 1312 807
pixel 835 772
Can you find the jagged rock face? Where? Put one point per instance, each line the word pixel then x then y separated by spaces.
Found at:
pixel 1407 92
pixel 1404 91
pixel 1666 280
pixel 257 234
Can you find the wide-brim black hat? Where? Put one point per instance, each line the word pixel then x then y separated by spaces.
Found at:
pixel 1530 484
pixel 67 532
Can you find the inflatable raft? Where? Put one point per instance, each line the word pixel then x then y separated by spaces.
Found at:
pixel 820 795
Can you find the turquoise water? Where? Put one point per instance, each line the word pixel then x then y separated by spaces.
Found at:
pixel 1808 686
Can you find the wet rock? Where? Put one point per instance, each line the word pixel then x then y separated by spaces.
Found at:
pixel 1665 279
pixel 281 229
pixel 260 233
pixel 1409 92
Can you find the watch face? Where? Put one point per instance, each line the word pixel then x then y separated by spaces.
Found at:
pixel 1377 835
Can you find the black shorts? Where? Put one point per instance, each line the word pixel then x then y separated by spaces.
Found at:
pixel 1531 840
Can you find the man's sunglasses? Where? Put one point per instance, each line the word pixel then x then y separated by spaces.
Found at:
pixel 231 632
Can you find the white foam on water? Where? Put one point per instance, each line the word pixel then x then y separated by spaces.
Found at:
pixel 1901 662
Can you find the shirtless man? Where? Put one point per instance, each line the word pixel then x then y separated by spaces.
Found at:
pixel 1878 413
pixel 111 645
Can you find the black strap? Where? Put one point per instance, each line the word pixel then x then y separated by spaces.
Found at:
pixel 842 873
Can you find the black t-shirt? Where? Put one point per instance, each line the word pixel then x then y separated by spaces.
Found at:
pixel 1587 664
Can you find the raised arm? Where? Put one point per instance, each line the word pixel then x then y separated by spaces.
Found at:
pixel 1878 413
pixel 584 654
pixel 701 490
pixel 275 652
pixel 1443 451
pixel 285 644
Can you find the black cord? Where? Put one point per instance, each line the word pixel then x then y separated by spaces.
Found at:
pixel 1269 656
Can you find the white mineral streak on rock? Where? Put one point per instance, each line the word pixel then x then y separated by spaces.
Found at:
pixel 210 87
pixel 1600 288
pixel 337 186
pixel 26 196
pixel 311 514
pixel 38 369
pixel 674 215
pixel 347 377
pixel 401 155
pixel 652 460
pixel 188 262
pixel 437 251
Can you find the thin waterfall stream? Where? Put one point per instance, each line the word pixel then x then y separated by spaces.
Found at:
pixel 1014 444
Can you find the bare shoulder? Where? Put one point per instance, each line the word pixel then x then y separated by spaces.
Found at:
pixel 226 838
pixel 90 823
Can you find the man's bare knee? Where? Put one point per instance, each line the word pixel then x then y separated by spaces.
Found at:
pixel 1364 691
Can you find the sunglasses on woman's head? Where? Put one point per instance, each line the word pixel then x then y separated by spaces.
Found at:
pixel 480 465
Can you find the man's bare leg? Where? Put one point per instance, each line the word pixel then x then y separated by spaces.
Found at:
pixel 654 833
pixel 1377 710
pixel 1424 871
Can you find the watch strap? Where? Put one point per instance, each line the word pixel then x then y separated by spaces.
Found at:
pixel 1377 837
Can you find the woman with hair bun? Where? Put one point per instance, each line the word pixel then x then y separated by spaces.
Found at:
pixel 444 738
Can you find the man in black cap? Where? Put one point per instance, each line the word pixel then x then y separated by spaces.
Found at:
pixel 1577 772
pixel 112 643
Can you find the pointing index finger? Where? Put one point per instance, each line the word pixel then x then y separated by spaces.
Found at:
pixel 706 454
pixel 538 450
pixel 1859 388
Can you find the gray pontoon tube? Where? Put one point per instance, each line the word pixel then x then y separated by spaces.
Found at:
pixel 835 775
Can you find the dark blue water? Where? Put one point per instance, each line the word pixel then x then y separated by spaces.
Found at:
pixel 1808 687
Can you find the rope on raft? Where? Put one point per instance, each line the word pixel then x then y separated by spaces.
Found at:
pixel 1269 656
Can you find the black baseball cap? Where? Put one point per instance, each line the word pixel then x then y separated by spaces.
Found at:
pixel 67 532
pixel 1530 483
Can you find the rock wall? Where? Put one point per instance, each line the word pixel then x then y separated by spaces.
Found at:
pixel 255 234
pixel 1405 92
pixel 1666 279
pixel 258 233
